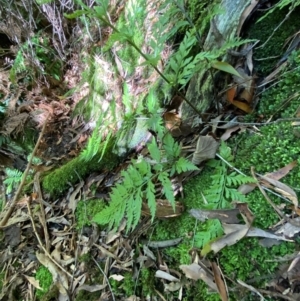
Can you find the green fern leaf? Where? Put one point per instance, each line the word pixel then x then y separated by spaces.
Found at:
pixel 150 195
pixel 167 187
pixel 154 150
pixel 183 165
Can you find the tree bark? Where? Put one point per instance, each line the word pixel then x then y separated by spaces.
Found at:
pixel 223 27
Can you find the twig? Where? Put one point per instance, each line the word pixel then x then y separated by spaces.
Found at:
pixel 16 197
pixel 42 215
pixel 40 242
pixel 104 275
pixel 265 195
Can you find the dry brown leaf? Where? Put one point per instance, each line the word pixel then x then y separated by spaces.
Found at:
pixel 206 148
pixel 33 281
pixel 73 198
pixel 92 288
pixel 226 240
pixel 228 216
pixel 166 276
pixel 195 272
pixel 252 232
pixel 283 189
pixel 243 106
pixel 229 132
pixel 290 229
pixel 280 173
pixel 219 281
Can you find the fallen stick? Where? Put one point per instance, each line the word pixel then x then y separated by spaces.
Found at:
pixel 16 197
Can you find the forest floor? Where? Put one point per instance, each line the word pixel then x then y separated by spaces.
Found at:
pixel 232 233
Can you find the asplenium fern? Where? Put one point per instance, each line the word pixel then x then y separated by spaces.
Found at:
pixel 138 184
pixel 223 189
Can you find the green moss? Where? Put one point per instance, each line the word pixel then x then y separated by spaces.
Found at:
pixel 86 210
pixel 272 148
pixel 249 261
pixel 57 181
pixel 273 50
pixel 282 100
pixel 45 281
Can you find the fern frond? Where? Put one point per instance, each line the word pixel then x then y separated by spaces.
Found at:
pixel 150 195
pixel 167 187
pixel 213 229
pixel 223 189
pixel 183 165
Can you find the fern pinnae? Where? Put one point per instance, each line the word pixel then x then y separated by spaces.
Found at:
pixel 150 196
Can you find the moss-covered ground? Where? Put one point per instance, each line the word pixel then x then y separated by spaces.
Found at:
pixel 59 180
pixel 45 281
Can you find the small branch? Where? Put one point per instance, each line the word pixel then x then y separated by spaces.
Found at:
pixel 16 197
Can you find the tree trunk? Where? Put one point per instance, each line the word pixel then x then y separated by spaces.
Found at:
pixel 223 27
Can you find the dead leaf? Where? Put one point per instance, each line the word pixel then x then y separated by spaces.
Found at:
pixel 283 189
pixel 243 106
pixel 231 93
pixel 33 281
pixel 164 275
pixel 229 132
pixel 253 232
pixel 226 240
pixel 228 216
pixel 219 281
pixel 195 272
pixel 280 173
pixel 73 199
pixel 117 277
pixel 92 288
pixel 206 149
pixel 290 229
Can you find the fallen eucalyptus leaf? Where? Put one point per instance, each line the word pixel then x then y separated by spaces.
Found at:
pixel 206 149
pixel 195 272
